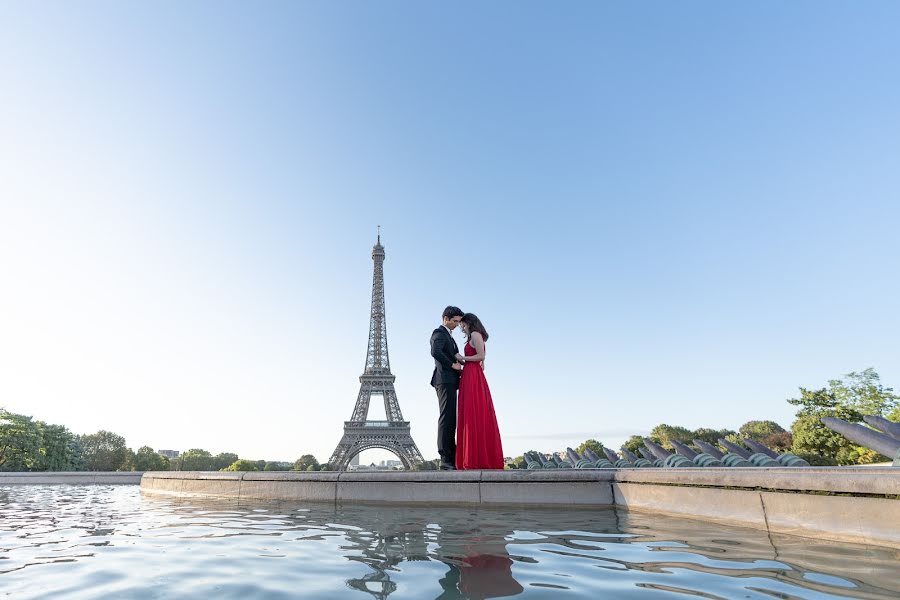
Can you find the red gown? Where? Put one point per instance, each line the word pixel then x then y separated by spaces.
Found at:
pixel 488 576
pixel 477 435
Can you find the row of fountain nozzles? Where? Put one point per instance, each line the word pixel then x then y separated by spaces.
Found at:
pixel 886 442
pixel 654 455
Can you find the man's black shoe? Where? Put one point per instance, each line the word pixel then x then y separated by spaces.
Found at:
pixel 447 467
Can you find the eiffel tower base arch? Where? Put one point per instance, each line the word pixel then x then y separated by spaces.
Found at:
pixel 392 436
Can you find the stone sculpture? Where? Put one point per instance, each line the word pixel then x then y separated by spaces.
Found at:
pixel 870 438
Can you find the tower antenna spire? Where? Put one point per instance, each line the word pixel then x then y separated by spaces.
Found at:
pixel 379 234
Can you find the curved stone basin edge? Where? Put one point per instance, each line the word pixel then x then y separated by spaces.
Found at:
pixel 70 477
pixel 851 504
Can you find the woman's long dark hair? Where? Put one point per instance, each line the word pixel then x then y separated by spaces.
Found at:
pixel 474 324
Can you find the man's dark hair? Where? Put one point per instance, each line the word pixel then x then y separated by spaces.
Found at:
pixel 452 311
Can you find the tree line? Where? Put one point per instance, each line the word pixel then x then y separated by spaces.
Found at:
pixel 848 398
pixel 29 445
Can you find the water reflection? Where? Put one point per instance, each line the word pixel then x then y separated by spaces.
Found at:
pixel 98 542
pixel 485 572
pixel 481 549
pixel 473 549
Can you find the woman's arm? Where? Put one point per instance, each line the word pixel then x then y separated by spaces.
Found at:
pixel 478 343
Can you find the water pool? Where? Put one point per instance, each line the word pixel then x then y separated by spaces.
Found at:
pixel 113 542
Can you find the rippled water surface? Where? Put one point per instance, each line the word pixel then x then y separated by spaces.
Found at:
pixel 113 542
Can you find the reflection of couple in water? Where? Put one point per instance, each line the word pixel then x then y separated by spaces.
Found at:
pixel 472 545
pixel 480 565
pixel 483 571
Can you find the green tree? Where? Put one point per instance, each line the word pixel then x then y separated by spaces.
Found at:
pixel 866 456
pixel 634 444
pixel 274 465
pixel 759 430
pixel 593 444
pixel 782 441
pixel 242 465
pixel 664 434
pixel 104 451
pixel 711 436
pixel 812 438
pixel 147 459
pixel 864 393
pixel 58 451
pixel 77 454
pixel 222 460
pixel 304 462
pixel 894 415
pixel 20 442
pixel 734 438
pixel 816 460
pixel 196 459
pixel 130 459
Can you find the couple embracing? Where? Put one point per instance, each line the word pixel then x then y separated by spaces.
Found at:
pixel 471 441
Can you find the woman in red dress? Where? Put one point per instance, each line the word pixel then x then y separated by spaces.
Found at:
pixel 477 435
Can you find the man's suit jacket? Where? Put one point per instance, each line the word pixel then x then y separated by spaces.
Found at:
pixel 444 351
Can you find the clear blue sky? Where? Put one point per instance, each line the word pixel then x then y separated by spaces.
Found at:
pixel 662 212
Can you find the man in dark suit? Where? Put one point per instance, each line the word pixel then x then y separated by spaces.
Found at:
pixel 445 380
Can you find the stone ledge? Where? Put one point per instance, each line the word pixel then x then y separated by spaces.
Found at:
pixel 744 497
pixel 71 478
pixel 845 480
pixel 545 493
pixel 870 481
pixel 589 488
pixel 547 475
pixel 732 507
pixel 410 492
pixel 837 518
pixel 411 476
pixel 290 476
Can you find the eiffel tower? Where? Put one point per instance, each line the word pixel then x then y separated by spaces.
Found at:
pixel 360 433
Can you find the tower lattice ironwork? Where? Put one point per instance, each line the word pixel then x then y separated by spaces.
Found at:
pixel 360 433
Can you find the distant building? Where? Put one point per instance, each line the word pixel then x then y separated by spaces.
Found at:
pixel 170 454
pixel 370 467
pixel 385 465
